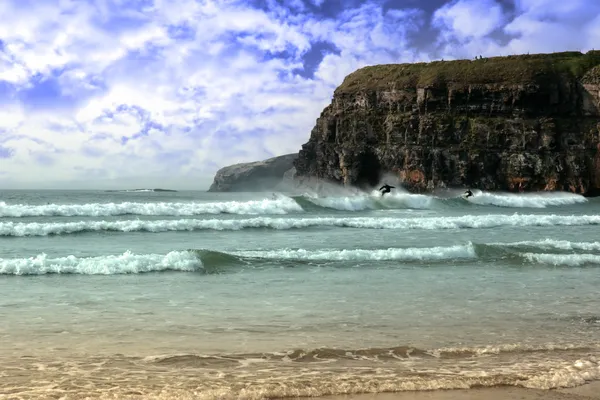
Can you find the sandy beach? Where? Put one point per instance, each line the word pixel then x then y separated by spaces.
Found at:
pixel 585 392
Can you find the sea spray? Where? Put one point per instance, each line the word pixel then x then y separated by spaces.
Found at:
pixel 373 201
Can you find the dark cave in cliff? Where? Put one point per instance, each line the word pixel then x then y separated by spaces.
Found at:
pixel 369 170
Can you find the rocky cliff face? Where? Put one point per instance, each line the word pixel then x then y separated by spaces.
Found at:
pixel 254 176
pixel 528 122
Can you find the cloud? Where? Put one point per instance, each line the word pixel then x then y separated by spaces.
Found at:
pixel 469 19
pixel 548 25
pixel 163 92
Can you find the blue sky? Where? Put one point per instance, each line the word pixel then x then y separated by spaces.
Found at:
pixel 131 93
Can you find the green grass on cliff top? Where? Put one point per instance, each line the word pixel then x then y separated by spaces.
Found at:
pixel 518 69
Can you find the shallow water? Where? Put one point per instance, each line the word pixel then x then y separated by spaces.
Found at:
pixel 162 294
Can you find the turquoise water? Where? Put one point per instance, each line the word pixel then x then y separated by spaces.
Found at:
pixel 167 294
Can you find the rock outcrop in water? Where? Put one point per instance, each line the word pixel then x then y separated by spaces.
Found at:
pixel 528 122
pixel 254 176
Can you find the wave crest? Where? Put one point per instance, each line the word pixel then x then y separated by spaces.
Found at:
pixel 526 200
pixel 373 201
pixel 427 223
pixel 566 260
pixel 211 262
pixel 281 205
pixel 400 254
pixel 126 263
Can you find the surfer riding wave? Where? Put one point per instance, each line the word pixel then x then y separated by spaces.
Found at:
pixel 386 189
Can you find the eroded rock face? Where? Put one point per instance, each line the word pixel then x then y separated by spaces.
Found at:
pixel 506 123
pixel 254 176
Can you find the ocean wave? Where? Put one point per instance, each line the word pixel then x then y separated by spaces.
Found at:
pixel 404 200
pixel 554 244
pixel 396 353
pixel 567 260
pixel 399 254
pixel 427 223
pixel 210 261
pixel 373 201
pixel 468 251
pixel 281 205
pixel 526 200
pixel 126 263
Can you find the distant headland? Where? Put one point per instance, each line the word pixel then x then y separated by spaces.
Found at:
pixel 142 190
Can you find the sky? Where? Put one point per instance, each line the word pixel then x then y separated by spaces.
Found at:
pixel 153 93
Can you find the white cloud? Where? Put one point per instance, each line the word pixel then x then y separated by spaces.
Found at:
pixel 11 116
pixel 193 85
pixel 468 19
pixel 549 25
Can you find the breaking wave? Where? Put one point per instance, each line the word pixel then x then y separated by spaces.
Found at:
pixel 371 201
pixel 281 205
pixel 403 200
pixel 567 260
pixel 468 251
pixel 400 254
pixel 428 223
pixel 126 263
pixel 554 244
pixel 526 200
pixel 209 262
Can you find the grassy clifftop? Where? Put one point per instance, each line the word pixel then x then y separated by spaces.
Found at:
pixel 519 69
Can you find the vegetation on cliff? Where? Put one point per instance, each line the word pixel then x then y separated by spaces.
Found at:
pixel 592 76
pixel 511 70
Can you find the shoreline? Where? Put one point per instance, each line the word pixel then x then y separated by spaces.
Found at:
pixel 587 391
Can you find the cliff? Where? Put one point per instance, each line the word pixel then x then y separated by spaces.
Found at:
pixel 254 176
pixel 527 122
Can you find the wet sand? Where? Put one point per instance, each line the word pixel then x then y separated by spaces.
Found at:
pixel 589 391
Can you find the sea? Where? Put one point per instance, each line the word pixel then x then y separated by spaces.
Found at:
pixel 145 294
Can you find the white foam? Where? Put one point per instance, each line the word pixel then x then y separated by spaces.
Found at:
pixel 401 254
pixel 280 205
pixel 429 223
pixel 406 200
pixel 126 263
pixel 245 376
pixel 554 244
pixel 568 260
pixel 578 373
pixel 531 200
pixel 507 348
pixel 372 201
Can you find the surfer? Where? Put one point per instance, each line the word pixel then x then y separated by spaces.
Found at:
pixel 386 189
pixel 468 193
